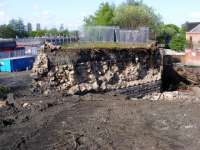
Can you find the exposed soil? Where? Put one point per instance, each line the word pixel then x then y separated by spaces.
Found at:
pixel 96 121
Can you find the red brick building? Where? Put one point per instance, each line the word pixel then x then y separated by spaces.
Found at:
pixel 193 36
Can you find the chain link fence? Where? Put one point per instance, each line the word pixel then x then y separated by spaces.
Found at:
pixel 113 34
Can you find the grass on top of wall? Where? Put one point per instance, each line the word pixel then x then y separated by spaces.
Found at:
pixel 106 45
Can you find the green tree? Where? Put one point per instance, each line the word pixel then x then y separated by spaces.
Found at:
pixel 134 2
pixel 90 21
pixel 132 16
pixel 166 33
pixel 7 32
pixel 18 26
pixel 65 32
pixel 38 33
pixel 178 41
pixel 103 16
pixel 53 32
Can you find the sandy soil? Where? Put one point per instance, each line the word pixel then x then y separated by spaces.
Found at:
pixel 98 121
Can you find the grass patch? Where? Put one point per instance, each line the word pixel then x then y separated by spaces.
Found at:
pixel 106 45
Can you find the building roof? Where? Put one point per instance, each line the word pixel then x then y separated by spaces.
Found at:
pixel 190 25
pixel 196 29
pixel 7 43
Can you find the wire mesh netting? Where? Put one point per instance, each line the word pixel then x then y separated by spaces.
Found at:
pixel 113 34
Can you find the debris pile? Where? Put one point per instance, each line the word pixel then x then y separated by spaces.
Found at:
pixel 172 96
pixel 51 46
pixel 40 66
pixel 86 70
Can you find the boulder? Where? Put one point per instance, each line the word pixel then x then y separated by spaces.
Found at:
pixel 3 104
pixel 73 90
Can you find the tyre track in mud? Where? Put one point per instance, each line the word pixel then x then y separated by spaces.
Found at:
pixel 107 122
pixel 40 119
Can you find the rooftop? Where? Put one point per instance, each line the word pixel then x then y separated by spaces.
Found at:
pixel 196 29
pixel 190 25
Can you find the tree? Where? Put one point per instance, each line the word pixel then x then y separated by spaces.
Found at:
pixel 134 2
pixel 90 21
pixel 166 33
pixel 103 16
pixel 53 32
pixel 7 32
pixel 64 32
pixel 178 41
pixel 129 15
pixel 18 26
pixel 38 33
pixel 132 16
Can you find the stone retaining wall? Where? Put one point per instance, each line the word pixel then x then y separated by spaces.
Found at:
pixel 96 70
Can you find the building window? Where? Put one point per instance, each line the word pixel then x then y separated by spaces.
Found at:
pixel 191 43
pixel 190 38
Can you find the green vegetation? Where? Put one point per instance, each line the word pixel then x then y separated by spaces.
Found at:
pixel 166 32
pixel 134 14
pixel 7 32
pixel 178 42
pixel 172 36
pixel 3 91
pixel 17 28
pixel 103 16
pixel 52 32
pixel 100 45
pixel 130 15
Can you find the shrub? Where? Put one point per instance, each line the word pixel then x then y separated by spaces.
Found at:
pixel 178 42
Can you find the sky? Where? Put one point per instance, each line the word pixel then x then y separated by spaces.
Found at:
pixel 70 13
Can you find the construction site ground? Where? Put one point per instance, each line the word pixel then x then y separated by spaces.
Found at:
pixel 94 121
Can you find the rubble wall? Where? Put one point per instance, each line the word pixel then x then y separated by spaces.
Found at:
pixel 96 70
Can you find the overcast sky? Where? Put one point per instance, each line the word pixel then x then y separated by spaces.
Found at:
pixel 52 13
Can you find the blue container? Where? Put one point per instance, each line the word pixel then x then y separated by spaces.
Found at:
pixel 16 64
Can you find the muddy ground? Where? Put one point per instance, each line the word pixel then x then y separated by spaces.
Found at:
pixel 95 121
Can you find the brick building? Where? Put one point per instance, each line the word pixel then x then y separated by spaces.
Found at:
pixel 193 37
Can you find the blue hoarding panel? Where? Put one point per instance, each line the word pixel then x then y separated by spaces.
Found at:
pixel 16 64
pixel 5 65
pixel 22 64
